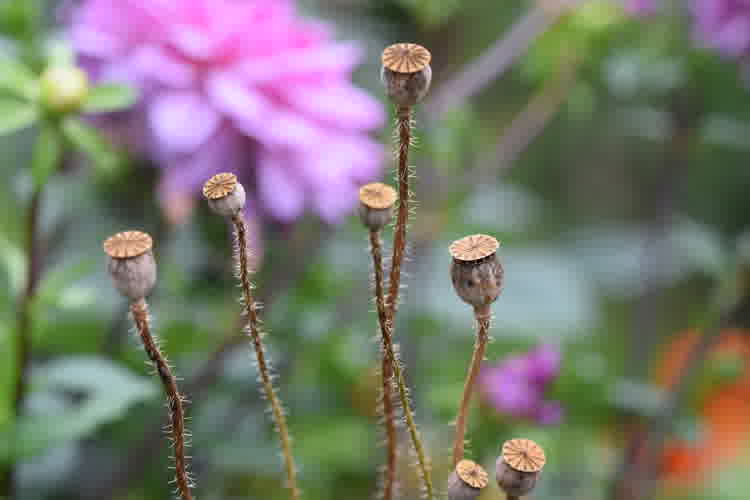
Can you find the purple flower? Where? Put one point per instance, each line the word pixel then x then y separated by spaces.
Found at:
pixel 237 85
pixel 723 25
pixel 641 7
pixel 517 384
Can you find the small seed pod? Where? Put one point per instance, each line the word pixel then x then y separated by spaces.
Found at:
pixel 225 194
pixel 476 272
pixel 406 73
pixel 131 263
pixel 519 465
pixel 466 481
pixel 376 202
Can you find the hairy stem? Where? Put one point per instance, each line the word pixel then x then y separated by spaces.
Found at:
pixel 264 368
pixel 403 126
pixel 387 372
pixel 389 352
pixel 139 310
pixel 23 332
pixel 483 327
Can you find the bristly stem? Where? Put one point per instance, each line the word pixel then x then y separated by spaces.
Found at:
pixel 139 310
pixel 23 332
pixel 264 368
pixel 483 327
pixel 389 352
pixel 389 417
pixel 387 316
pixel 403 127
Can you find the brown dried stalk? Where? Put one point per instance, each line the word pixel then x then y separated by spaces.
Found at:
pixel 389 415
pixel 264 368
pixel 139 310
pixel 403 127
pixel 483 328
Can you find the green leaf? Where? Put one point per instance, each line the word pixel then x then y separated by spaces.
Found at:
pixel 47 153
pixel 18 80
pixel 109 97
pixel 108 391
pixel 87 140
pixel 59 279
pixel 16 115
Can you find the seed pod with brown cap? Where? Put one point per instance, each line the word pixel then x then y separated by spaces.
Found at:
pixel 225 195
pixel 130 262
pixel 519 465
pixel 476 272
pixel 376 202
pixel 406 73
pixel 466 481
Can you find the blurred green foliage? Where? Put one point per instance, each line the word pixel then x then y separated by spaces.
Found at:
pixel 573 212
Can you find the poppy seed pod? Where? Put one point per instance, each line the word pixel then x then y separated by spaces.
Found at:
pixel 130 262
pixel 376 202
pixel 466 481
pixel 406 73
pixel 476 272
pixel 225 195
pixel 519 465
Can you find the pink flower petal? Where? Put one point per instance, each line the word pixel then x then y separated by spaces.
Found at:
pixel 279 190
pixel 339 105
pixel 182 121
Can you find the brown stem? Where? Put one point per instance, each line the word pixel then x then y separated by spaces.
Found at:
pixel 389 351
pixel 23 342
pixel 264 369
pixel 399 238
pixel 389 416
pixel 139 310
pixel 483 327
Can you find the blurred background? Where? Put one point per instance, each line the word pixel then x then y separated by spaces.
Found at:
pixel 604 143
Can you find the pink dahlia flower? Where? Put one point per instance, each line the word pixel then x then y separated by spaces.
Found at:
pixel 237 85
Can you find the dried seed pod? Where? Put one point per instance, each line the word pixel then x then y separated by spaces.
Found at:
pixel 476 272
pixel 131 263
pixel 466 481
pixel 519 465
pixel 376 202
pixel 406 73
pixel 225 194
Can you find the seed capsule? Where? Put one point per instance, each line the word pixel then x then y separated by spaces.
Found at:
pixel 406 73
pixel 476 272
pixel 519 466
pixel 466 481
pixel 225 195
pixel 376 202
pixel 131 263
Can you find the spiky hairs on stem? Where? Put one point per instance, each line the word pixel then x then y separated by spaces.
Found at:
pixel 139 310
pixel 389 417
pixel 263 362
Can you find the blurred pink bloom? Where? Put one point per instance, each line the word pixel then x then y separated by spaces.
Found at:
pixel 723 25
pixel 517 384
pixel 641 7
pixel 242 86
